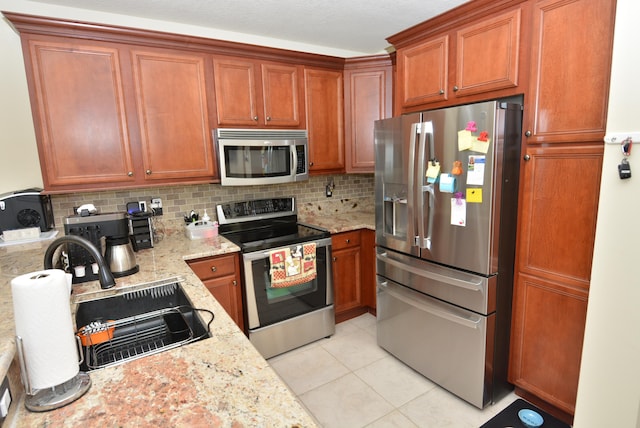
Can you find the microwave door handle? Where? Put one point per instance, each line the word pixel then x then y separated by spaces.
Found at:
pixel 294 161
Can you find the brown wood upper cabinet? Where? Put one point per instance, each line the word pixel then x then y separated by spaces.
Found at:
pixel 110 115
pixel 171 100
pixel 325 120
pixel 258 94
pixel 478 57
pixel 367 98
pixel 79 110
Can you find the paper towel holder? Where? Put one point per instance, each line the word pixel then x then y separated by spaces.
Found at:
pixel 43 400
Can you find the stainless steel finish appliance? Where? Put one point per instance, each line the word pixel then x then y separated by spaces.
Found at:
pixel 445 243
pixel 109 232
pixel 279 318
pixel 261 156
pixel 26 208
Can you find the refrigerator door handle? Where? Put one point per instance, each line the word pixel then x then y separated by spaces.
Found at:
pixel 412 183
pixel 469 285
pixel 423 239
pixel 426 304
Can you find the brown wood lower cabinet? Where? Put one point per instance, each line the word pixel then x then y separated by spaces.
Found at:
pixel 353 274
pixel 221 276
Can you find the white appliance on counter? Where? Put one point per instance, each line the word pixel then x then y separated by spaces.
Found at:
pixel 446 184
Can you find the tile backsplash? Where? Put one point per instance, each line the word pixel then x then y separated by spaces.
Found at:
pixel 178 200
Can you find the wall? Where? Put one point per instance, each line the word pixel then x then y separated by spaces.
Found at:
pixel 609 386
pixel 20 167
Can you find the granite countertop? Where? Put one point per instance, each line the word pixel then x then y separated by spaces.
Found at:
pixel 220 381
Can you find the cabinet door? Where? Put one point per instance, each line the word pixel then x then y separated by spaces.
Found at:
pixel 79 107
pixel 423 72
pixel 571 64
pixel 171 97
pixel 367 99
pixel 236 92
pixel 325 120
pixel 556 232
pixel 226 290
pixel 546 339
pixel 281 95
pixel 346 279
pixel 487 55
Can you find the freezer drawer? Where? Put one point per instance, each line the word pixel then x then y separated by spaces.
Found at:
pixel 467 290
pixel 448 345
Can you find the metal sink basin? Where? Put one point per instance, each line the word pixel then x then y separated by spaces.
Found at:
pixel 138 323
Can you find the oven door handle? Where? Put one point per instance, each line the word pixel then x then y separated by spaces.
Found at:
pixel 257 255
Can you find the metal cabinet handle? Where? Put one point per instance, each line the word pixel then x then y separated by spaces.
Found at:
pixel 268 118
pixel 255 118
pixel 148 172
pixel 130 173
pixel 213 268
pixel 335 259
pixel 347 240
pixel 310 163
pixel 234 282
pixel 441 91
pixel 527 157
pixel 455 89
pixel 527 134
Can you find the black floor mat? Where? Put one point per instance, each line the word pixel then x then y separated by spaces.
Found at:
pixel 509 417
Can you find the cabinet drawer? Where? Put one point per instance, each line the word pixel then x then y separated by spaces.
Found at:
pixel 214 267
pixel 345 240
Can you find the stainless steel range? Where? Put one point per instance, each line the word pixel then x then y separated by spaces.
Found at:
pixel 288 291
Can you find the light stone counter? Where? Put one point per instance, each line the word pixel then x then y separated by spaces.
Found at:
pixel 218 382
pixel 340 215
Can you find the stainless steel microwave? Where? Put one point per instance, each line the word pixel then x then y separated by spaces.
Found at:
pixel 261 156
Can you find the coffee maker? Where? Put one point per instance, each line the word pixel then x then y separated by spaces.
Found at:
pixel 109 232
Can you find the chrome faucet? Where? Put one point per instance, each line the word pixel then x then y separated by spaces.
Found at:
pixel 104 273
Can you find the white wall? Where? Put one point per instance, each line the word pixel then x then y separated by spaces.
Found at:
pixel 609 386
pixel 19 165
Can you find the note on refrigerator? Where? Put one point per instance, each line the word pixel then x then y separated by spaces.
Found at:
pixel 475 170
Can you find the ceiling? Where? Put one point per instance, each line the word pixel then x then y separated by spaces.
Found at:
pixel 360 26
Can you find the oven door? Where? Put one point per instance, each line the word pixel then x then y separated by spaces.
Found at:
pixel 266 304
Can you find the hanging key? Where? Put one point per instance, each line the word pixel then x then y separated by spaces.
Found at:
pixel 624 169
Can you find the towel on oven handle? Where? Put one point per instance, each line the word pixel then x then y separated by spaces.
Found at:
pixel 292 266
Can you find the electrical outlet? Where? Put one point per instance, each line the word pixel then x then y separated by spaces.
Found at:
pixel 142 205
pixel 156 206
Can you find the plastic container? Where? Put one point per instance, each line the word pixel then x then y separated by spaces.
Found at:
pixel 96 333
pixel 201 229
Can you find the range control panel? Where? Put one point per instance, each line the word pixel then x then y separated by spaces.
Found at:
pixel 258 209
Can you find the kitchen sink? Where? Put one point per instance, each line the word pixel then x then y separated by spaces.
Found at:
pixel 139 322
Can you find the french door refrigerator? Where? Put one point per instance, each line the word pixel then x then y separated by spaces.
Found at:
pixel 446 187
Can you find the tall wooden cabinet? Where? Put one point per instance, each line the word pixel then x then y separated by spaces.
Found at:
pixel 173 115
pixel 325 119
pixel 564 125
pixel 367 98
pixel 80 112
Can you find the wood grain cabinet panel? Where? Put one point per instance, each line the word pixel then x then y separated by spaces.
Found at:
pixel 325 120
pixel 171 98
pixel 221 275
pixel 487 55
pixel 258 94
pixel 423 72
pixel 571 64
pixel 368 97
pixel 79 110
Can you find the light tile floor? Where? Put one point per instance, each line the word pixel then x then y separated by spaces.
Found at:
pixel 347 381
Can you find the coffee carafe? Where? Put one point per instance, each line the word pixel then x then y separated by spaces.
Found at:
pixel 109 232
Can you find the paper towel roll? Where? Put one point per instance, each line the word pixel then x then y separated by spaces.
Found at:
pixel 43 321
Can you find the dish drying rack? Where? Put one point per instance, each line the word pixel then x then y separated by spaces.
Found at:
pixel 139 336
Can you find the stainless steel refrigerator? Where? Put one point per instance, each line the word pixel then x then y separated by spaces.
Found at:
pixel 446 187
